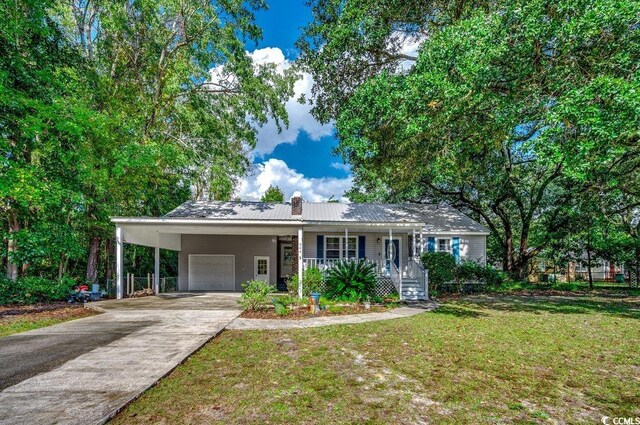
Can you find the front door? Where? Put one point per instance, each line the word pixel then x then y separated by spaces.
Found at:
pixel 392 254
pixel 261 268
pixel 286 260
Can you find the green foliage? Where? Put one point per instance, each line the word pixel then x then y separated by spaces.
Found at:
pixel 292 285
pixel 32 290
pixel 441 266
pixel 513 124
pixel 351 280
pixel 111 108
pixel 255 294
pixel 470 271
pixel 312 281
pixel 273 194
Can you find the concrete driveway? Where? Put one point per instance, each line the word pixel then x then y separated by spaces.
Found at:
pixel 84 371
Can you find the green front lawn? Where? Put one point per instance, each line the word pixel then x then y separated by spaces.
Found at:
pixel 504 359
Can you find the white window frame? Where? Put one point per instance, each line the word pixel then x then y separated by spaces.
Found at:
pixel 450 250
pixel 342 246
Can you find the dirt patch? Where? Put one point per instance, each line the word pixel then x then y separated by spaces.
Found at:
pixel 303 313
pixel 19 310
pixel 63 311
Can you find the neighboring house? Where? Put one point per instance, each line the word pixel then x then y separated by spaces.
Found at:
pixel 222 245
pixel 601 271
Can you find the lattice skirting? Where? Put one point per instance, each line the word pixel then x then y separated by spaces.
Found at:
pixel 385 287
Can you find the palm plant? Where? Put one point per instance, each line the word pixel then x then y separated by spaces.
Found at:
pixel 351 280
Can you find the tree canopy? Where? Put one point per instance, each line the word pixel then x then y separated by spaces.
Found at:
pixel 120 108
pixel 510 109
pixel 273 194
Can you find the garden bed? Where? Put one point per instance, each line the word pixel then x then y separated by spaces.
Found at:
pixel 19 318
pixel 18 310
pixel 301 312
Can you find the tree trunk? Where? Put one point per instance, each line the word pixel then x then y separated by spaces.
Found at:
pixel 109 256
pixel 61 266
pixel 92 261
pixel 507 263
pixel 589 268
pixel 12 248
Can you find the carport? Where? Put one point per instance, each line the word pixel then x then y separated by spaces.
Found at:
pixel 238 247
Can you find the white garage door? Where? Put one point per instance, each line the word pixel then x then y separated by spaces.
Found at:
pixel 211 272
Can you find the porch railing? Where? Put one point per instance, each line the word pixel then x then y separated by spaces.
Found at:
pixel 324 264
pixel 420 274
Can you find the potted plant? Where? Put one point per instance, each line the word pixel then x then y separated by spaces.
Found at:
pixel 367 303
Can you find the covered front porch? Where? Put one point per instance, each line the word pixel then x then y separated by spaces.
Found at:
pixel 223 256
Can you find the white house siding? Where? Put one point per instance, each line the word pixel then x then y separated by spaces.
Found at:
pixel 243 247
pixel 373 250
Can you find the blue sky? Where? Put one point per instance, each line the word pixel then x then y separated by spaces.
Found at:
pixel 300 158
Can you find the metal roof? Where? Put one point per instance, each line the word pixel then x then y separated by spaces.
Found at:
pixel 438 218
pixel 232 210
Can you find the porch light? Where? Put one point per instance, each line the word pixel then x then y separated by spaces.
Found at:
pixel 378 240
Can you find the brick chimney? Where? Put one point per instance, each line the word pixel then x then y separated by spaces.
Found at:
pixel 296 204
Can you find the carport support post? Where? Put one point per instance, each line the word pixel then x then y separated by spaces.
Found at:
pixel 156 269
pixel 119 263
pixel 300 263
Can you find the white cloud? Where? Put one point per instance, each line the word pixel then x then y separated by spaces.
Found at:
pixel 276 172
pixel 300 118
pixel 341 166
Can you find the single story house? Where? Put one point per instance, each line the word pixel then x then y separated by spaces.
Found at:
pixel 222 245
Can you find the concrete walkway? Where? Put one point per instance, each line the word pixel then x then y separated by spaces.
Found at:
pixel 247 324
pixel 84 371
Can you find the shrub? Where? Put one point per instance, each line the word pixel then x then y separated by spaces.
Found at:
pixel 312 281
pixel 466 272
pixel 441 266
pixel 292 285
pixel 494 277
pixel 351 280
pixel 32 290
pixel 255 294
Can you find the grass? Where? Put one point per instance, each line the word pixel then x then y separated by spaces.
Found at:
pixel 10 325
pixel 482 359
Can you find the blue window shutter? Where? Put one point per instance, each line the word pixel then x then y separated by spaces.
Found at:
pixel 320 246
pixel 455 245
pixel 361 251
pixel 431 244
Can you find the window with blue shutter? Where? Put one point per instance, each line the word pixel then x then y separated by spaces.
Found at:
pixel 431 244
pixel 455 246
pixel 320 246
pixel 361 250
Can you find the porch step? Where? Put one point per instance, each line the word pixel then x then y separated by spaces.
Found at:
pixel 412 291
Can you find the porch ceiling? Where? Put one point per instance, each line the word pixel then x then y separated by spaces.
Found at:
pixel 167 235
